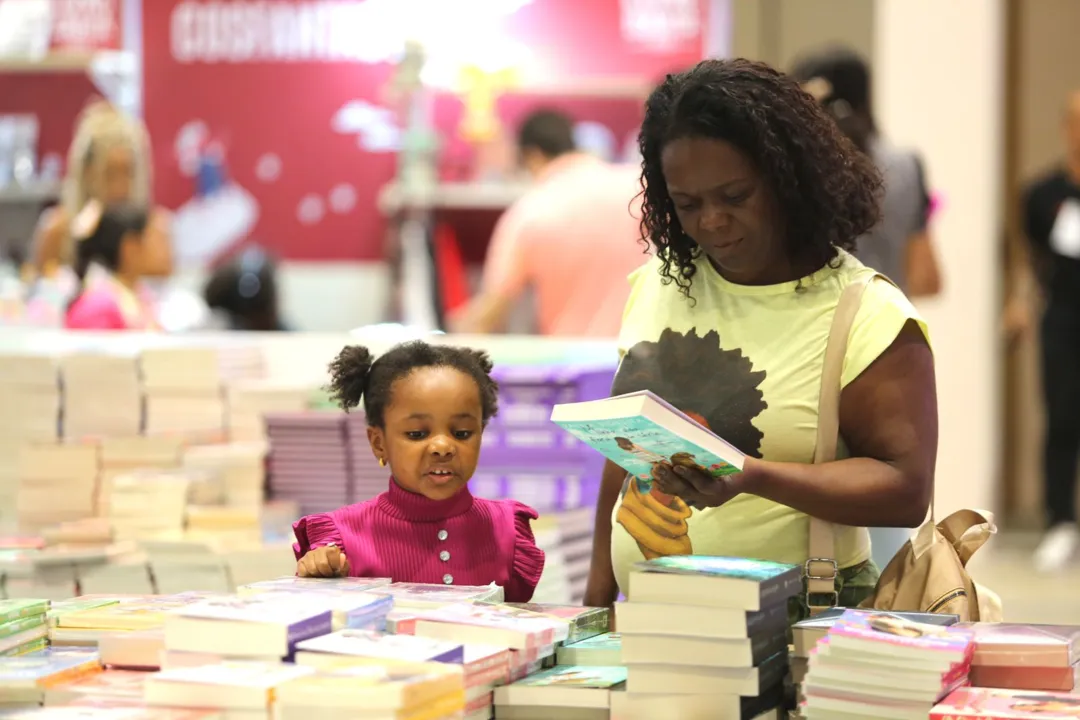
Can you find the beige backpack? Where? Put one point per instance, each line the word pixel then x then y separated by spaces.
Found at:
pixel 929 573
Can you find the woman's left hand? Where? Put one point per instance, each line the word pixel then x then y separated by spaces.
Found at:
pixel 697 488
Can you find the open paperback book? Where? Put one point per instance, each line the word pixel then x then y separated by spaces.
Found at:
pixel 638 431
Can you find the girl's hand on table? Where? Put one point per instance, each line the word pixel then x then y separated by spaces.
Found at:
pixel 328 561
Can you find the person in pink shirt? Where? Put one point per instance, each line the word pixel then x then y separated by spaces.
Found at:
pixel 572 239
pixel 112 254
pixel 426 408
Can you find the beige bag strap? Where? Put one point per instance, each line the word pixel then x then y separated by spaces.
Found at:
pixel 820 568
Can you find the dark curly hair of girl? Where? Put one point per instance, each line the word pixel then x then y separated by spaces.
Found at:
pixel 355 375
pixel 828 191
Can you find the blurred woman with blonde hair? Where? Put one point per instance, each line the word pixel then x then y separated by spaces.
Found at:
pixel 108 162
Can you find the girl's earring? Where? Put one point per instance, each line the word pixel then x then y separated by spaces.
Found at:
pixel 382 462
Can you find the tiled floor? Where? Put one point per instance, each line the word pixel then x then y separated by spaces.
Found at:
pixel 1004 565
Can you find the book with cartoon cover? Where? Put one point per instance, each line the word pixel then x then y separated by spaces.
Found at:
pixel 425 595
pixel 301 617
pixel 969 703
pixel 767 582
pixel 953 644
pixel 583 622
pixel 639 430
pixel 379 646
pixel 46 667
pixel 141 614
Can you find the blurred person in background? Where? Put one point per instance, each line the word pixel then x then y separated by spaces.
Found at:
pixel 112 252
pixel 571 238
pixel 900 246
pixel 1050 214
pixel 108 161
pixel 243 292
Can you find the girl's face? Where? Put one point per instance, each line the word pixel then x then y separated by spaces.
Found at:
pixel 434 422
pixel 111 176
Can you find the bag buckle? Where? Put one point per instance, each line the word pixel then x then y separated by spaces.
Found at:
pixel 829 573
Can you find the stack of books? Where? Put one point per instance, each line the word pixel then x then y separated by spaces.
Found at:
pixel 239 469
pixel 148 504
pixel 701 633
pixel 24 679
pixel 29 411
pixel 1026 657
pixel 184 393
pixel 116 619
pixel 603 650
pixel 121 455
pixel 582 693
pixel 179 566
pixel 262 627
pixel 102 395
pixel 50 573
pixel 353 606
pixel 807 633
pixel 224 526
pixel 1001 704
pixel 237 689
pixel 310 460
pixel 111 688
pixel 249 402
pixel 57 483
pixel 429 691
pixel 24 626
pixel 368 647
pixel 879 665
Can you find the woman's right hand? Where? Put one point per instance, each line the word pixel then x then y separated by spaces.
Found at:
pixel 328 561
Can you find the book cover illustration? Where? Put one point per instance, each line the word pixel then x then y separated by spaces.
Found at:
pixel 339 585
pixel 240 674
pixel 887 627
pixel 408 648
pixel 18 609
pixel 584 622
pixel 501 616
pixel 290 610
pixel 1018 645
pixel 828 618
pixel 993 704
pixel 759 571
pixel 430 593
pixel 607 641
pixel 47 664
pixel 638 445
pixel 577 676
pixel 113 683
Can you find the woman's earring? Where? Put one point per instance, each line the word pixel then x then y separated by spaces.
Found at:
pixel 382 462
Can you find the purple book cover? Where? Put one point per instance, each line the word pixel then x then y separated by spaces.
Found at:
pixel 312 627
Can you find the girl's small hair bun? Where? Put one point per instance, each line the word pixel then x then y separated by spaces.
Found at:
pixel 349 374
pixel 482 359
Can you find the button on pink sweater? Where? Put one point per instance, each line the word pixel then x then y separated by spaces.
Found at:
pixel 409 538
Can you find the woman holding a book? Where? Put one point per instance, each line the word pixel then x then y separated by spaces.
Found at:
pixel 753 199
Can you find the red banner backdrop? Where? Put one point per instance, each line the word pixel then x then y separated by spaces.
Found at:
pixel 268 119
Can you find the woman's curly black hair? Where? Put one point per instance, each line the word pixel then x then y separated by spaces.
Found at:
pixel 355 375
pixel 828 191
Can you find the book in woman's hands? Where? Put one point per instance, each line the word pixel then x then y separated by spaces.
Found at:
pixel 639 430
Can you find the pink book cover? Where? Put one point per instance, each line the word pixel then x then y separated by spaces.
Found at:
pixel 1014 645
pixel 1054 679
pixel 540 631
pixel 900 632
pixel 109 684
pixel 997 704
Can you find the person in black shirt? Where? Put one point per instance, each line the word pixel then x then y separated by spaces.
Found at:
pixel 1051 220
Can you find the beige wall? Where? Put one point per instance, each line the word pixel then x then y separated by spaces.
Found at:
pixel 780 31
pixel 1046 66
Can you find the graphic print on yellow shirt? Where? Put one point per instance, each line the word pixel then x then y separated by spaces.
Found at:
pixel 745 362
pixel 656 521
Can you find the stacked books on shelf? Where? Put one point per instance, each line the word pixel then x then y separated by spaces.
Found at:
pixel 57 483
pixel 704 635
pixel 239 470
pixel 24 626
pixel 880 665
pixel 248 402
pixel 102 395
pixel 122 455
pixel 29 412
pixel 148 505
pixel 807 633
pixel 1001 704
pixel 368 478
pixel 527 458
pixel 184 395
pixel 1026 657
pixel 246 689
pixel 597 651
pixel 310 460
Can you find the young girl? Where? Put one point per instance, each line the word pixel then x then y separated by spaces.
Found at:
pixel 426 407
pixel 111 255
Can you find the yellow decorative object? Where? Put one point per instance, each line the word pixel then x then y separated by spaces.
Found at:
pixel 480 90
pixel 656 521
